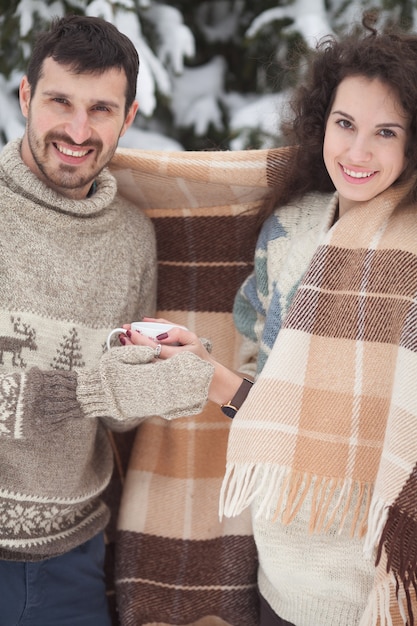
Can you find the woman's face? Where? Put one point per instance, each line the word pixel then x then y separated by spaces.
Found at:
pixel 365 140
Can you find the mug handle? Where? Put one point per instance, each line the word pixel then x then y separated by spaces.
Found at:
pixel 113 332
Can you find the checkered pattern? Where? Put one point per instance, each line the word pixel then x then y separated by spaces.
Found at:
pixel 344 368
pixel 176 562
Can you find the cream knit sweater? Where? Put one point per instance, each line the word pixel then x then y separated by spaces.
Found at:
pixel 70 271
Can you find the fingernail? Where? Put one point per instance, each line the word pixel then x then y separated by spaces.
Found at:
pixel 122 339
pixel 128 333
pixel 162 336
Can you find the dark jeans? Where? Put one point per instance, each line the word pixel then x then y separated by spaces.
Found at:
pixel 67 590
pixel 268 617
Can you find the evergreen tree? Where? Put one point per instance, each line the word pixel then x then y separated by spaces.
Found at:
pixel 214 73
pixel 69 355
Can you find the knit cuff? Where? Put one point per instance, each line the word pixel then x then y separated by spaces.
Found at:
pixel 49 398
pixel 91 395
pixel 94 389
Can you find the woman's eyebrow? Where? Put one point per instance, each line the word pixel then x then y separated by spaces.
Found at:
pixel 382 125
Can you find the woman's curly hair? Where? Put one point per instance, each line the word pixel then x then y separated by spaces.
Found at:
pixel 389 56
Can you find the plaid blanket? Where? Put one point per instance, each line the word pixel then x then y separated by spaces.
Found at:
pixel 176 562
pixel 344 369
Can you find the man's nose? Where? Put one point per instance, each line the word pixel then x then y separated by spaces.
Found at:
pixel 78 127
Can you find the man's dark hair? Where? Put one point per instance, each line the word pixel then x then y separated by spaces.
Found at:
pixel 86 45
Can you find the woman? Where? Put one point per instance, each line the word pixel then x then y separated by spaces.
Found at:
pixel 324 445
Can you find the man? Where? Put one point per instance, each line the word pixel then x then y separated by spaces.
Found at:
pixel 75 261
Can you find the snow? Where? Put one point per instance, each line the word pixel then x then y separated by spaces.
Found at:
pixel 193 103
pixel 147 140
pixel 309 19
pixel 217 21
pixel 27 9
pixel 176 41
pixel 196 96
pixel 263 114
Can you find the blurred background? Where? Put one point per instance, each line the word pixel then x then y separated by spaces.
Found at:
pixel 214 74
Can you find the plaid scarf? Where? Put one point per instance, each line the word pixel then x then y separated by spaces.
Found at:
pixel 333 412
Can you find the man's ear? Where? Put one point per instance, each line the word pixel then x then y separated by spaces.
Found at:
pixel 24 95
pixel 131 114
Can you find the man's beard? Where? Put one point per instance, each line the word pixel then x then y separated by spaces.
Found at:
pixel 64 176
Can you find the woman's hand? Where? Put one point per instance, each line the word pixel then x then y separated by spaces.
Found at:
pixel 172 341
pixel 224 383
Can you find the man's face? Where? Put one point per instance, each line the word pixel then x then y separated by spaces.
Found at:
pixel 74 122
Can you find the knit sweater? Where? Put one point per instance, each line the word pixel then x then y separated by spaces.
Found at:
pixel 70 271
pixel 307 579
pixel 285 245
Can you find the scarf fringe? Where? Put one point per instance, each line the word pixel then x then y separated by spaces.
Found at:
pixel 380 604
pixel 377 611
pixel 378 513
pixel 399 542
pixel 284 491
pixel 237 490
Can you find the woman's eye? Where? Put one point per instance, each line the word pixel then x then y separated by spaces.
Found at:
pixel 386 132
pixel 344 123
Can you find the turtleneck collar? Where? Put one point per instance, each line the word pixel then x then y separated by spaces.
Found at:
pixel 20 179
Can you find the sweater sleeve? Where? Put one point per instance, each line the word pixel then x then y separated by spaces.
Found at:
pixel 126 387
pixel 129 385
pixel 36 400
pixel 250 307
pixel 248 319
pixel 284 248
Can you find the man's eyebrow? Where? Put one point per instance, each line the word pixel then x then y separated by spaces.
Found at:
pixel 108 103
pixel 59 94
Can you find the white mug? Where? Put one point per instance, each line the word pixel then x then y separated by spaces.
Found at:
pixel 150 329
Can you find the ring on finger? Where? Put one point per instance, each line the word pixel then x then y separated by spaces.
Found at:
pixel 158 351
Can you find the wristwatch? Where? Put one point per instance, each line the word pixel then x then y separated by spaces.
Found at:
pixel 231 408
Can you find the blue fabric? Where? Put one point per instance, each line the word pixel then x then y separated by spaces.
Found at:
pixel 67 590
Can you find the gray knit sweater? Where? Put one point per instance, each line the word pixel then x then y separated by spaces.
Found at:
pixel 71 270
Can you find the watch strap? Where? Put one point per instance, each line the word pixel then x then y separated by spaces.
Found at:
pixel 231 408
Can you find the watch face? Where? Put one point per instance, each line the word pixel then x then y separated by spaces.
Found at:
pixel 228 410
